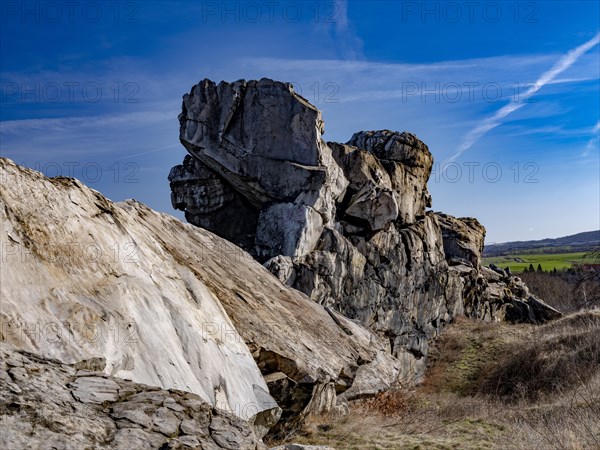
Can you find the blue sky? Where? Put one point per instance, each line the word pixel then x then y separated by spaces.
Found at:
pixel 505 94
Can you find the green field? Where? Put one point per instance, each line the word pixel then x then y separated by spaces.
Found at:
pixel 548 261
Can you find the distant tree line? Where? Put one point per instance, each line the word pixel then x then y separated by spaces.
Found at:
pixel 567 290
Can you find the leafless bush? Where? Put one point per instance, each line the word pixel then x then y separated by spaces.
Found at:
pixel 568 291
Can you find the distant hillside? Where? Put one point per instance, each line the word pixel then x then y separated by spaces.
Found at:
pixel 580 242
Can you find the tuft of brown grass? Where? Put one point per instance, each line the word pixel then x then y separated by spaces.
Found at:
pixel 390 403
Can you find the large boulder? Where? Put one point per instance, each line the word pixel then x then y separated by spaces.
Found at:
pixel 344 223
pixel 408 163
pixel 264 140
pixel 463 239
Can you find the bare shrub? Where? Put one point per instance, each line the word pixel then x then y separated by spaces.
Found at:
pixel 389 403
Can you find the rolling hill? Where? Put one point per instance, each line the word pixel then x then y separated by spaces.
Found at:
pixel 580 242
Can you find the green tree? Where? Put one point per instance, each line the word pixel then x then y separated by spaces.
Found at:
pixel 539 269
pixel 531 269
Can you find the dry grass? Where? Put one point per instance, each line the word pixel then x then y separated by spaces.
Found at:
pixel 556 405
pixel 556 358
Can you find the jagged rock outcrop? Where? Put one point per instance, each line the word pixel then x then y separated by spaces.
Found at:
pixel 47 404
pixel 241 131
pixel 344 223
pixel 489 293
pixel 171 305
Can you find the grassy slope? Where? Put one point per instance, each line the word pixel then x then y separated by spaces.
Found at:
pixel 548 261
pixel 460 407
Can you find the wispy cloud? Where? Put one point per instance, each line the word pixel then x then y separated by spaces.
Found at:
pixel 334 21
pixel 61 124
pixel 492 122
pixel 594 143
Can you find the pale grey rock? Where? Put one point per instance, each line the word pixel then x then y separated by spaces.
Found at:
pixel 490 275
pixel 283 268
pixel 95 390
pixel 257 156
pixel 374 205
pixel 236 437
pixel 372 199
pixel 404 147
pixel 324 400
pixel 463 238
pixel 264 139
pixel 267 411
pixel 371 253
pixel 47 413
pixel 394 280
pixel 488 293
pixel 208 318
pixel 122 288
pixel 364 384
pixel 407 161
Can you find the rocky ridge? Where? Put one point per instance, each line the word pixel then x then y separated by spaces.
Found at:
pixel 344 223
pixel 331 281
pixel 45 403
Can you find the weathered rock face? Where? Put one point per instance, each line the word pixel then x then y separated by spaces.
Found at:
pixel 463 239
pixel 212 204
pixel 408 162
pixel 489 293
pixel 83 277
pixel 264 141
pixel 344 223
pixel 47 404
pixel 171 305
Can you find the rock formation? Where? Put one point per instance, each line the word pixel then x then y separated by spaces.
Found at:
pixel 85 278
pixel 330 281
pixel 171 305
pixel 344 223
pixel 489 293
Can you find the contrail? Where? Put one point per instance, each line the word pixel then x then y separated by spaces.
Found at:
pixel 492 122
pixel 164 147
